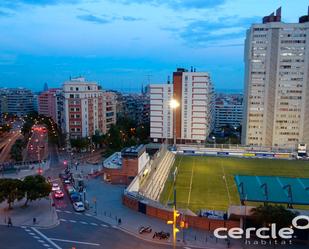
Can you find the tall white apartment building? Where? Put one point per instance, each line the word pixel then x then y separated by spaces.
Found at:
pixel 193 118
pixel 87 108
pixel 161 115
pixel 276 98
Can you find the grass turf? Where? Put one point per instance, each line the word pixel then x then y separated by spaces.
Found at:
pixel 200 180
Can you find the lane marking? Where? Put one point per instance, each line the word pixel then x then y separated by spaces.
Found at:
pixel 47 239
pixel 103 225
pixel 62 219
pixel 73 221
pixel 77 242
pixel 94 224
pixel 83 222
pixel 88 214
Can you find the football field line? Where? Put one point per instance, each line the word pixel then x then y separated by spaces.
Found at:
pixel 224 179
pixel 191 180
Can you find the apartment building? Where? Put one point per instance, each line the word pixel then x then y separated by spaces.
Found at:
pixel 109 110
pixel 228 110
pixel 193 118
pixel 276 110
pixel 87 108
pixel 161 114
pixel 47 104
pixel 19 101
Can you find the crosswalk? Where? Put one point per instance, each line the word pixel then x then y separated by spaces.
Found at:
pixel 84 222
pixel 40 238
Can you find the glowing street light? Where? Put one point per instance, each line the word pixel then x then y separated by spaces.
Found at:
pixel 174 104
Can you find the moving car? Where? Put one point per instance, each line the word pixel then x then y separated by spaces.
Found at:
pixel 78 206
pixel 70 189
pixel 58 194
pixel 55 187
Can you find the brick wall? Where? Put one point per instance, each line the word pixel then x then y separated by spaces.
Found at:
pixel 193 221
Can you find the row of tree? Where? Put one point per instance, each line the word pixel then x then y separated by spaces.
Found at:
pixel 30 189
pixel 122 134
pixel 17 150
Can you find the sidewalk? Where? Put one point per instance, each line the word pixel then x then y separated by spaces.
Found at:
pixel 109 208
pixel 46 215
pixel 25 172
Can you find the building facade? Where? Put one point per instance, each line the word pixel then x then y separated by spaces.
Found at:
pixel 193 119
pixel 228 110
pixel 276 110
pixel 19 101
pixel 47 103
pixel 87 108
pixel 122 167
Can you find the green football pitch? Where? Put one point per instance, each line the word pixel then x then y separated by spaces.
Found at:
pixel 208 182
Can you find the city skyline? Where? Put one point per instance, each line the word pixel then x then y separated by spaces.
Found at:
pixel 49 41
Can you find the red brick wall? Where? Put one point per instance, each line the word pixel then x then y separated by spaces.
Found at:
pixel 193 221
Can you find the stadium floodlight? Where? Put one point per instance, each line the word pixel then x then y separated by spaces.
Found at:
pixel 174 104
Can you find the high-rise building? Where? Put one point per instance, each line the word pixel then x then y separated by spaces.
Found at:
pixel 193 118
pixel 276 98
pixel 47 103
pixel 228 110
pixel 87 108
pixel 19 101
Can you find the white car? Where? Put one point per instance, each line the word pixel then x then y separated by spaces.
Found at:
pixel 78 206
pixel 55 187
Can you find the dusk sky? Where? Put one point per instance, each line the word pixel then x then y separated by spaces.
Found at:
pixel 124 43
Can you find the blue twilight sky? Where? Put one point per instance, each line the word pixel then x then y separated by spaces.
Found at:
pixel 125 43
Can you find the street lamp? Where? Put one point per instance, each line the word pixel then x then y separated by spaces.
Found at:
pixel 174 104
pixel 214 138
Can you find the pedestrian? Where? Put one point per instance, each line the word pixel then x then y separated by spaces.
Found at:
pixel 34 220
pixel 10 224
pixel 119 222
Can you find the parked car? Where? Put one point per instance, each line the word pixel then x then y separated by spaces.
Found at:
pixel 55 187
pixel 70 189
pixel 58 194
pixel 79 206
pixel 142 230
pixel 63 176
pixel 75 197
pixel 67 182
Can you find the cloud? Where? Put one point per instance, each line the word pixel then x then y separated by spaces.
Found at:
pixel 93 19
pixel 178 4
pixel 131 18
pixel 14 4
pixel 201 33
pixel 5 14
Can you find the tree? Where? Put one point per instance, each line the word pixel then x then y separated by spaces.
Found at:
pixel 17 149
pixel 268 214
pixel 11 190
pixel 80 143
pixel 35 187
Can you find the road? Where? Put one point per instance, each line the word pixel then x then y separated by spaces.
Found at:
pixel 37 147
pixel 76 230
pixel 7 140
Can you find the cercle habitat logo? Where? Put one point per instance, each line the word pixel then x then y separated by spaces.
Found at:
pixel 266 235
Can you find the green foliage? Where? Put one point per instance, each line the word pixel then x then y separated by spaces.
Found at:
pixel 5 128
pixel 17 150
pixel 268 214
pixel 80 143
pixel 35 187
pixel 11 190
pixel 32 187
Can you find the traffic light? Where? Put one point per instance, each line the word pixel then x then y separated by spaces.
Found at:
pixel 40 171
